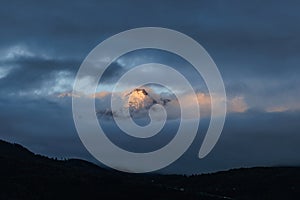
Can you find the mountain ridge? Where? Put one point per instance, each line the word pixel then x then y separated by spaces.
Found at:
pixel 25 175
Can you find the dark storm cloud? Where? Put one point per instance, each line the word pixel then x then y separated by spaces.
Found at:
pixel 256 38
pixel 42 63
pixel 30 73
pixel 33 72
pixel 261 28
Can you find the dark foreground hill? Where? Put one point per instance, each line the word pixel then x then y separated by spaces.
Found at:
pixel 25 175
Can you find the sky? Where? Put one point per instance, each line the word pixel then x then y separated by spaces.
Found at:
pixel 255 45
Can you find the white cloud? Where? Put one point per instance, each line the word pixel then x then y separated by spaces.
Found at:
pixel 18 51
pixel 4 71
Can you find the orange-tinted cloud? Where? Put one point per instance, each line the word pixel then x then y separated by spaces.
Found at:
pixel 144 98
pixel 237 104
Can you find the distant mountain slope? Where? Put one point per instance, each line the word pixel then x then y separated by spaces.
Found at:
pixel 25 175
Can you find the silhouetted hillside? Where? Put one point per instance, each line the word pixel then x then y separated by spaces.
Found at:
pixel 25 175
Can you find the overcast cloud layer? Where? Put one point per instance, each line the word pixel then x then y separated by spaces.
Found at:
pixel 255 45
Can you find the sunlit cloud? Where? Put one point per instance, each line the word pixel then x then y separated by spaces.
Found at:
pixel 277 109
pixel 140 100
pixel 237 104
pixel 100 95
pixel 288 106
